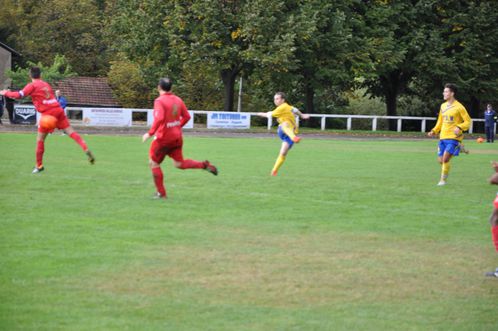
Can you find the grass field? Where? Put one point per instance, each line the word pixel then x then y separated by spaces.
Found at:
pixel 352 235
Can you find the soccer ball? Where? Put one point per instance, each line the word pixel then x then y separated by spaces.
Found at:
pixel 48 122
pixel 480 140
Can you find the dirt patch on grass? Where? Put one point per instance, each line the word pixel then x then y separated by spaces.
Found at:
pixel 301 271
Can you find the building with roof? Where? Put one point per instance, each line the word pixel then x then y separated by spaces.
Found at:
pixel 6 54
pixel 87 92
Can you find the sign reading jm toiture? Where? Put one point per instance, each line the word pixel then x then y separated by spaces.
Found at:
pixel 228 120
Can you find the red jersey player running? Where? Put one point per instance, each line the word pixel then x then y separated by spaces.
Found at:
pixel 45 103
pixel 493 219
pixel 170 115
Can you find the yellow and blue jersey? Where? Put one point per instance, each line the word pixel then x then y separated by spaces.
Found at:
pixel 450 117
pixel 283 113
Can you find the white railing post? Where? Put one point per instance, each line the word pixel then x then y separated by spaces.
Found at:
pixel 297 122
pixel 323 118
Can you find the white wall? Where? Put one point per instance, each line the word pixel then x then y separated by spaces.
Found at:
pixel 5 63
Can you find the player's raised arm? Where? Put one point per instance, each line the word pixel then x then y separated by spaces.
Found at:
pixel 267 114
pixel 301 115
pixel 26 91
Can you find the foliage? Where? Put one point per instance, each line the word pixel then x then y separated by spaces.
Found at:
pixel 466 54
pixel 135 30
pixel 313 50
pixel 57 71
pixel 128 84
pixel 398 38
pixel 197 88
pixel 232 37
pixel 72 28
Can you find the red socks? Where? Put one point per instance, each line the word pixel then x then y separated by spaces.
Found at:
pixel 157 174
pixel 76 137
pixel 494 236
pixel 40 149
pixel 192 164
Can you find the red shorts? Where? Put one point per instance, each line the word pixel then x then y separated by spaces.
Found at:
pixel 496 202
pixel 62 121
pixel 159 149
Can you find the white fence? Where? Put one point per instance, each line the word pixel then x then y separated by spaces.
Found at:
pixel 323 118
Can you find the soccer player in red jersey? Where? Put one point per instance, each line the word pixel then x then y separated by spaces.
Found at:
pixel 45 103
pixel 493 219
pixel 170 115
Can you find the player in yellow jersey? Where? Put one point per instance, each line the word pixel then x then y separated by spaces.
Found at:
pixel 287 129
pixel 452 121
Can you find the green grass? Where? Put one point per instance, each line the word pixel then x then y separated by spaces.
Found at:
pixel 352 235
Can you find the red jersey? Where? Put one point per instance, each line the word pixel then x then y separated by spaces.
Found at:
pixel 170 115
pixel 41 93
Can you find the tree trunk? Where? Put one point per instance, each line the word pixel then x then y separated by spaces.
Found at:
pixel 393 85
pixel 475 107
pixel 310 95
pixel 309 92
pixel 391 107
pixel 228 77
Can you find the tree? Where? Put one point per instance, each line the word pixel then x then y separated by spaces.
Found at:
pixel 57 71
pixel 324 50
pixel 137 38
pixel 72 28
pixel 468 45
pixel 398 38
pixel 128 84
pixel 233 37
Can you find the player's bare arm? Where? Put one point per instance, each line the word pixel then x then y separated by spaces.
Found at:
pixel 145 137
pixel 267 114
pixel 494 164
pixel 301 115
pixel 3 92
pixel 494 179
pixel 305 116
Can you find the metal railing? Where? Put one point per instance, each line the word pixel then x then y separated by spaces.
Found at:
pixel 323 118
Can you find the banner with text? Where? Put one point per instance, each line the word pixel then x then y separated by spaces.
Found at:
pixel 228 120
pixel 24 114
pixel 188 125
pixel 107 116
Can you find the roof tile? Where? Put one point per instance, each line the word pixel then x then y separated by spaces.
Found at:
pixel 88 91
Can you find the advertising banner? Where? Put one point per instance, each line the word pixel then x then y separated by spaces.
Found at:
pixel 227 120
pixel 189 125
pixel 24 114
pixel 107 116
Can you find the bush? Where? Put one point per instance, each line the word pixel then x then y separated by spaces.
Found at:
pixel 128 85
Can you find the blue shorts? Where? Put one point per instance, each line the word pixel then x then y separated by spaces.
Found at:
pixel 448 145
pixel 284 137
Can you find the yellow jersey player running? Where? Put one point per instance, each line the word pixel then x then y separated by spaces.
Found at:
pixel 287 129
pixel 452 121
